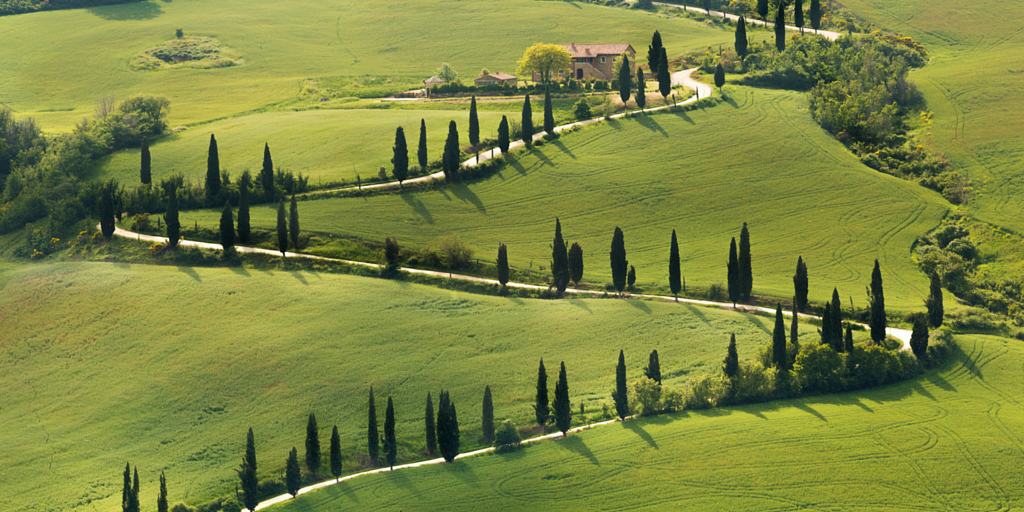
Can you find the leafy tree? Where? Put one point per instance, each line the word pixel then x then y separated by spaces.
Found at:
pixel 641 88
pixel 293 223
pixel 474 123
pixel 719 76
pixel 244 229
pixel 429 427
pixel 576 263
pixel 447 73
pixel 561 405
pixel 545 60
pixel 487 417
pixel 450 159
pixel 731 366
pixel 625 79
pixel 741 38
pixel 527 123
pixel 335 453
pixel 212 170
pixel 372 436
pixel 734 274
pixel 653 369
pixel 780 27
pixel 549 116
pixel 503 136
pixel 877 298
pixel 934 302
pixel 631 277
pixel 798 15
pixel 654 53
pixel 540 407
pixel 292 473
pixel 145 170
pixel 779 356
pixel 794 328
pixel 392 253
pixel 507 438
pixel 815 14
pixel 581 110
pixel 447 428
pixel 620 395
pixel 664 77
pixel 919 338
pixel 559 260
pixel 312 445
pixel 762 9
pixel 400 158
pixel 161 499
pixel 247 474
pixel 674 273
pixel 227 227
pixel 618 260
pixel 800 285
pixel 849 339
pixel 746 274
pixel 282 229
pixel 421 152
pixel 390 443
pixel 267 172
pixel 171 218
pixel 503 265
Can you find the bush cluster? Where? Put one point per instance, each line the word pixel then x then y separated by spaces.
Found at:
pixel 23 6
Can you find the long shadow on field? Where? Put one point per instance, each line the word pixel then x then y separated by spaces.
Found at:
pixel 127 12
pixel 463 192
pixel 580 304
pixel 558 144
pixel 804 407
pixel 651 124
pixel 640 304
pixel 347 490
pixel 682 115
pixel 575 444
pixel 400 479
pixel 240 271
pixel 191 273
pixel 298 275
pixel 418 207
pixel 730 101
pixel 514 162
pixel 753 319
pixel 463 472
pixel 638 430
pixel 695 311
pixel 614 123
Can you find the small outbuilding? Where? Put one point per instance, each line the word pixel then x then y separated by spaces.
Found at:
pixel 431 82
pixel 496 79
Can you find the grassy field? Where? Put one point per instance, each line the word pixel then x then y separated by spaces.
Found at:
pixel 284 43
pixel 974 86
pixel 167 367
pixel 326 145
pixel 947 441
pixel 702 173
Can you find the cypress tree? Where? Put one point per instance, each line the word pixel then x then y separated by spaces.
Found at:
pixel 135 485
pixel 731 366
pixel 734 274
pixel 849 339
pixel 826 325
pixel 227 227
pixel 654 53
pixel 527 123
pixel 549 116
pixel 447 428
pixel 815 14
pixel 919 338
pixel 798 15
pixel 292 473
pixel 503 137
pixel 474 123
pixel 145 171
pixel 674 273
pixel 421 152
pixel 429 424
pixel 837 321
pixel 335 453
pixel 741 38
pixel 563 410
pixel 618 260
pixel 934 302
pixel 126 488
pixel 746 274
pixel 244 229
pixel 794 329
pixel 641 88
pixel 487 417
pixel 171 218
pixel 653 369
pixel 212 170
pixel 390 443
pixel 625 80
pixel 707 5
pixel 631 277
pixel 400 157
pixel 779 355
pixel 161 499
pixel 293 223
pixel 312 445
pixel 762 10
pixel 267 172
pixel 372 436
pixel 576 263
pixel 719 76
pixel 450 158
pixel 559 260
pixel 108 215
pixel 247 474
pixel 282 229
pixel 502 265
pixel 780 27
pixel 877 296
pixel 620 395
pixel 664 77
pixel 800 285
pixel 540 408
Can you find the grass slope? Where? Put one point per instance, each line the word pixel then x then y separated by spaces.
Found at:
pixel 702 173
pixel 326 145
pixel 947 441
pixel 167 367
pixel 974 86
pixel 283 43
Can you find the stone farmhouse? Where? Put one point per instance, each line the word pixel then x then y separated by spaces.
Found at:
pixel 496 79
pixel 594 61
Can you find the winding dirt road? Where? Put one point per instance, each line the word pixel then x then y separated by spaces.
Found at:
pixel 827 34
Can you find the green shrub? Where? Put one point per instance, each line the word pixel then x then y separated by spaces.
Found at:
pixel 706 391
pixel 821 368
pixel 181 507
pixel 645 397
pixel 754 383
pixel 581 110
pixel 506 438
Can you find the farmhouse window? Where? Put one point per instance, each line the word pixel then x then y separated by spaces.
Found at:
pixel 602 59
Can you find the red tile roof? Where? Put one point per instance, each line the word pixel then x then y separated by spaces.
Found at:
pixel 592 50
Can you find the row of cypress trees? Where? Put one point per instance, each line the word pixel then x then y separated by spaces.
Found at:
pixel 130 491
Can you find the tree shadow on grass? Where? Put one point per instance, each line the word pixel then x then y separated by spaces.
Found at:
pixel 191 272
pixel 682 115
pixel 580 304
pixel 651 124
pixel 128 12
pixel 799 404
pixel 514 162
pixel 298 275
pixel 576 445
pixel 641 305
pixel 639 430
pixel 418 207
pixel 558 144
pixel 695 311
pixel 401 479
pixel 463 192
pixel 463 472
pixel 753 319
pixel 240 271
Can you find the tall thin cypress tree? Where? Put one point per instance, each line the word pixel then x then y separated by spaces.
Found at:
pixel 746 273
pixel 549 115
pixel 576 263
pixel 247 474
pixel 372 436
pixel 108 205
pixel 474 123
pixel 267 173
pixel 282 229
pixel 292 473
pixel 390 443
pixel 762 10
pixel 161 499
pixel 503 265
pixel 654 53
pixel 815 14
pixel 400 157
pixel 335 453
pixel 135 483
pixel 733 267
pixel 212 170
pixel 450 158
pixel 126 487
pixel 559 260
pixel 826 325
pixel 447 428
pixel 563 409
pixel 312 444
pixel 674 272
pixel 421 152
pixel 293 223
pixel 794 328
pixel 934 302
pixel 779 355
pixel 664 77
pixel 625 80
pixel 837 321
pixel 503 136
pixel 780 27
pixel 145 169
pixel 540 407
pixel 429 427
pixel 877 296
pixel 849 339
pixel 487 417
pixel 731 364
pixel 227 227
pixel 800 285
pixel 741 38
pixel 171 218
pixel 798 15
pixel 244 228
pixel 620 395
pixel 919 338
pixel 618 260
pixel 653 369
pixel 527 123
pixel 719 76
pixel 641 88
